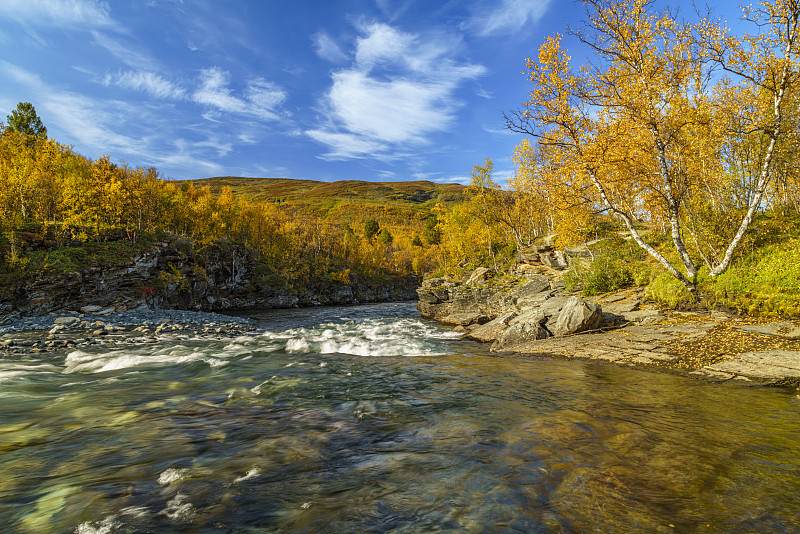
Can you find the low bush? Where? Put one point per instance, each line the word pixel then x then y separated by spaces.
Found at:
pixel 766 282
pixel 617 264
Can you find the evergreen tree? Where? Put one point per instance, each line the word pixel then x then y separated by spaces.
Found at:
pixel 371 228
pixel 385 236
pixel 25 121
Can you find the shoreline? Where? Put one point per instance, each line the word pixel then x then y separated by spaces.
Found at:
pixel 73 330
pixel 714 347
pixel 624 328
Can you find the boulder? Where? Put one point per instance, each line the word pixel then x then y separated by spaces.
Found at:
pixel 555 260
pixel 490 331
pixel 552 307
pixel 577 315
pixel 520 332
pixel 535 286
pixel 531 316
pixel 481 273
pixel 65 320
pixel 528 255
pixel 91 309
pixel 433 282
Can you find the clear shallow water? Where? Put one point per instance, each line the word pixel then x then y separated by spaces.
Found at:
pixel 369 419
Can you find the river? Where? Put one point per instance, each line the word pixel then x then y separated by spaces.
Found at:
pixel 371 419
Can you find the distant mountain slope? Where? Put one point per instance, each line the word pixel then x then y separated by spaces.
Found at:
pixel 420 194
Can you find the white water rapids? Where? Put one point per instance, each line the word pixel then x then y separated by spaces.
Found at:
pixel 371 419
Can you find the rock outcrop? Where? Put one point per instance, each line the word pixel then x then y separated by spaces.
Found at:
pixel 174 275
pixel 507 311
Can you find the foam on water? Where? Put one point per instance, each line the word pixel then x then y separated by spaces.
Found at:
pixel 367 337
pixel 79 361
pixel 252 473
pixel 15 371
pixel 171 475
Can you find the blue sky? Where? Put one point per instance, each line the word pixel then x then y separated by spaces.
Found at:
pixel 326 90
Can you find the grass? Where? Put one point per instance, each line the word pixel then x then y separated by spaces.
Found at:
pixel 97 254
pixel 764 280
pixel 766 283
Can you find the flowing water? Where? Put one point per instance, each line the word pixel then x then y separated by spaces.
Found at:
pixel 370 419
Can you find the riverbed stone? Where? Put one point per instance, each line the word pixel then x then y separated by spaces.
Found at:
pixel 490 331
pixel 91 308
pixel 518 333
pixel 766 364
pixel 576 316
pixel 465 319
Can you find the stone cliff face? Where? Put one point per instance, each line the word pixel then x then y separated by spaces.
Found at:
pixel 173 275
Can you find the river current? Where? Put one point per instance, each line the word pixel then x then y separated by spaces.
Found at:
pixel 371 419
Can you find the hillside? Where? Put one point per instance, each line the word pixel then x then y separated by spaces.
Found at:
pixel 420 194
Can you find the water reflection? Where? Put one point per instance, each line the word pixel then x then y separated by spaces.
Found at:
pixel 456 440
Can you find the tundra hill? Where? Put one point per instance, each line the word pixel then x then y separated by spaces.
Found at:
pixel 418 195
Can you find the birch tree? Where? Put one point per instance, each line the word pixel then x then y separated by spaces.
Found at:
pixel 640 128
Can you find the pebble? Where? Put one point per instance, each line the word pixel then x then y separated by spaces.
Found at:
pixel 129 327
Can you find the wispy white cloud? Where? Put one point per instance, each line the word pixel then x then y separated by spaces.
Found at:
pixel 128 54
pixel 399 89
pixel 146 81
pixel 60 13
pixel 261 99
pixel 344 145
pixel 95 125
pixel 327 48
pixel 510 17
pixel 499 131
pixel 214 91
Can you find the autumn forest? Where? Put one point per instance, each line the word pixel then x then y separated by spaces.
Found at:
pixel 671 152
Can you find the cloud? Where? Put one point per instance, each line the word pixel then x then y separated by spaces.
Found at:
pixel 126 54
pixel 94 125
pixel 327 48
pixel 399 89
pixel 382 44
pixel 76 14
pixel 510 17
pixel 145 81
pixel 346 145
pixel 261 98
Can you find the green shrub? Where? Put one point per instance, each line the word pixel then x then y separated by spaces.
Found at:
pixel 617 264
pixel 767 282
pixel 666 289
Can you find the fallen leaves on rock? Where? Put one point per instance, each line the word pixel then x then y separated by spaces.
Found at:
pixel 724 342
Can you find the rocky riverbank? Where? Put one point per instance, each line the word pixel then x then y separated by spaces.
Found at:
pixel 530 313
pixel 76 329
pixel 175 274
